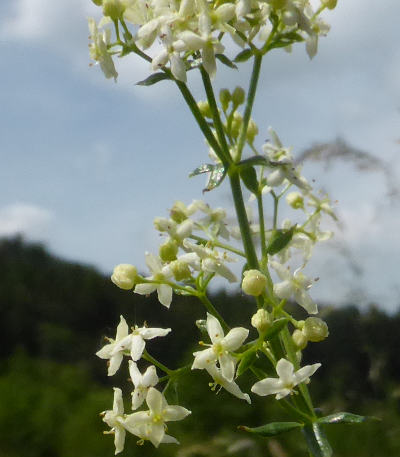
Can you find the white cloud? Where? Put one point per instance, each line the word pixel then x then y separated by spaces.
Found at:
pixel 23 218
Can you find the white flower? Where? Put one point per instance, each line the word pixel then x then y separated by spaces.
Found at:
pixel 142 383
pixel 211 260
pixel 150 425
pixel 160 273
pixel 98 50
pixel 288 379
pixel 229 386
pixel 124 342
pixel 294 285
pixel 114 419
pixel 220 348
pixel 111 351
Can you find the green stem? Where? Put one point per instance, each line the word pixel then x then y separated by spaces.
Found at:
pixel 218 245
pixel 215 113
pixel 204 127
pixel 249 104
pixel 248 244
pixel 155 362
pixel 262 226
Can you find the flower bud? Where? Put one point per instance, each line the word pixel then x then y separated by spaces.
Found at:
pixel 224 98
pixel 261 320
pixel 98 2
pixel 177 212
pixel 299 339
pixel 252 131
pixel 168 251
pixel 254 282
pixel 295 200
pixel 204 108
pixel 277 4
pixel 114 9
pixel 236 124
pixel 124 276
pixel 315 329
pixel 330 4
pixel 180 270
pixel 238 96
pixel 164 225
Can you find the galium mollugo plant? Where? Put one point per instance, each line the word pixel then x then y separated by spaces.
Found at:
pixel 198 244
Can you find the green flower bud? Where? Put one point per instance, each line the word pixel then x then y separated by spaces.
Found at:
pixel 98 2
pixel 315 329
pixel 114 9
pixel 252 131
pixel 295 200
pixel 224 98
pixel 277 4
pixel 261 320
pixel 168 251
pixel 330 4
pixel 124 276
pixel 178 212
pixel 238 96
pixel 254 282
pixel 299 339
pixel 180 270
pixel 204 108
pixel 236 124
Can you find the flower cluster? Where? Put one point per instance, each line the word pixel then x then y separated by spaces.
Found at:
pixel 191 32
pixel 146 424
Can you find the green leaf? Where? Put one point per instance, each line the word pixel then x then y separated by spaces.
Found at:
pixel 246 361
pixel 344 418
pixel 272 429
pixel 275 328
pixel 226 61
pixel 258 160
pixel 279 240
pixel 317 441
pixel 217 175
pixel 249 178
pixel 243 56
pixel 153 79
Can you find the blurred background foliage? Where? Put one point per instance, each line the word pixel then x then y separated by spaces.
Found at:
pixel 54 315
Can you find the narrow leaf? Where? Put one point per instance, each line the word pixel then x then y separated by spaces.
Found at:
pixel 317 441
pixel 249 178
pixel 279 240
pixel 258 160
pixel 246 361
pixel 275 328
pixel 243 56
pixel 216 177
pixel 226 61
pixel 344 418
pixel 272 429
pixel 153 79
pixel 206 168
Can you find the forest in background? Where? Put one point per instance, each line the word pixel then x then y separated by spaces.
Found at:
pixel 55 314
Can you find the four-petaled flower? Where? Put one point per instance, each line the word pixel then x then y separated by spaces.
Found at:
pixel 229 386
pixel 220 348
pixel 142 383
pixel 288 379
pixel 114 419
pixel 150 425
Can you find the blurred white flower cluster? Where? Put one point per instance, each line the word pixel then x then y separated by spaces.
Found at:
pixel 190 33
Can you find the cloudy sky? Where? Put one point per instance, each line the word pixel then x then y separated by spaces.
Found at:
pixel 87 164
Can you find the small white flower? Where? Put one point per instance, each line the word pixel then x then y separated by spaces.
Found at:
pixel 98 50
pixel 114 419
pixel 109 350
pixel 142 383
pixel 133 342
pixel 288 379
pixel 150 425
pixel 294 285
pixel 220 348
pixel 160 273
pixel 229 386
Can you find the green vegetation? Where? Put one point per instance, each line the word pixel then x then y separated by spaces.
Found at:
pixel 52 387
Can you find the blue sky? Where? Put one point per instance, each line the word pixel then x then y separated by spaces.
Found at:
pixel 87 164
